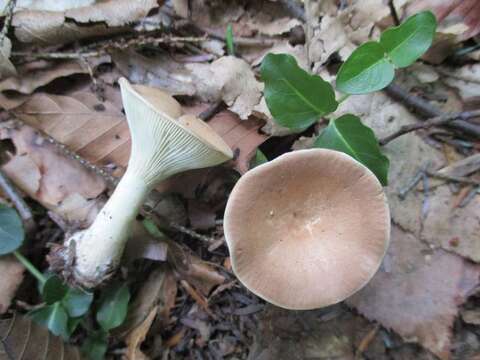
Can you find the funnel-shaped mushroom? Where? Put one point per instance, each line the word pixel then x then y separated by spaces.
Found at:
pixel 164 142
pixel 307 229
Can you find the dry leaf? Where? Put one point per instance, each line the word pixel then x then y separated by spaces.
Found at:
pixel 277 27
pixel 417 293
pixel 466 79
pixel 230 79
pixel 47 5
pixel 6 67
pixel 12 276
pixel 135 338
pixel 60 184
pixel 24 339
pixel 161 71
pixel 100 19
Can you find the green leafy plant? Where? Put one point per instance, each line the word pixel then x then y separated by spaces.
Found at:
pixel 229 40
pixel 298 99
pixel 64 307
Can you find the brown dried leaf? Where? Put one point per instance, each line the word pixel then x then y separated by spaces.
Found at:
pixel 135 339
pixel 12 276
pixel 277 27
pixel 24 339
pixel 61 184
pixel 47 5
pixel 104 18
pixel 6 67
pixel 230 79
pixel 417 292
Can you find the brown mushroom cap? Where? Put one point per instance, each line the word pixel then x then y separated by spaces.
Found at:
pixel 307 229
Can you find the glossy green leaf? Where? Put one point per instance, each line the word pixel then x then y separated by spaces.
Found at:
pixel 405 43
pixel 259 159
pixel 366 70
pixel 11 230
pixel 295 98
pixel 53 289
pixel 95 346
pixel 113 307
pixel 347 134
pixel 77 302
pixel 54 317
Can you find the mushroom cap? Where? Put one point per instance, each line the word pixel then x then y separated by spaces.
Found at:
pixel 307 229
pixel 164 140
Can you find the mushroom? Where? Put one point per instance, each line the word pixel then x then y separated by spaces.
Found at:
pixel 163 142
pixel 307 229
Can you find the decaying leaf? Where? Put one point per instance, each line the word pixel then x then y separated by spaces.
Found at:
pixel 138 335
pixel 412 295
pixel 12 276
pixel 47 5
pixel 56 27
pixel 276 27
pixel 59 183
pixel 24 339
pixel 6 67
pixel 161 71
pixel 230 79
pixel 466 79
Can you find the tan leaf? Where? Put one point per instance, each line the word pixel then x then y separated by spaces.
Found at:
pixel 412 294
pixel 24 339
pixel 6 67
pixel 12 276
pixel 230 79
pixel 138 335
pixel 277 27
pixel 47 5
pixel 100 19
pixel 61 184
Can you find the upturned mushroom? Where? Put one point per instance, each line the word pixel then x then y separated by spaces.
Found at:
pixel 308 229
pixel 164 142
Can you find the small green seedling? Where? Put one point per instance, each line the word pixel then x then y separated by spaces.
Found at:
pixel 65 307
pixel 298 99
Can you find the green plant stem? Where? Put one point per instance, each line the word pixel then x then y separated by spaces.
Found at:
pixel 29 266
pixel 343 98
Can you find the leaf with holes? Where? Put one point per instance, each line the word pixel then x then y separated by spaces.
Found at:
pixel 405 43
pixel 11 230
pixel 295 98
pixel 347 134
pixel 366 70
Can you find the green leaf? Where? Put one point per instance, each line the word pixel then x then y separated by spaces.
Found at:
pixel 405 43
pixel 53 289
pixel 113 307
pixel 54 317
pixel 77 302
pixel 295 98
pixel 95 346
pixel 347 134
pixel 259 159
pixel 11 230
pixel 366 70
pixel 153 229
pixel 229 40
pixel 72 324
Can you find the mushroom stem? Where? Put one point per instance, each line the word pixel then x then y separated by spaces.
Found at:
pixel 98 249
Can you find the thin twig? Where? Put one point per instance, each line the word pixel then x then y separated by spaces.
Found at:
pixel 460 179
pixel 427 110
pixel 393 12
pixel 443 119
pixel 193 234
pixel 20 204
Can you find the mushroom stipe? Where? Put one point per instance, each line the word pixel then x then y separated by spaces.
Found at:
pixel 308 229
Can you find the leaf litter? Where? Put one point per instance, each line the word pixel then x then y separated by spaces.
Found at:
pixel 178 287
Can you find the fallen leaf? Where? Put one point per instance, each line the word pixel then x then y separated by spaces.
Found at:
pixel 60 184
pixel 400 295
pixel 100 19
pixel 12 276
pixel 136 337
pixel 47 5
pixel 278 26
pixel 6 67
pixel 465 79
pixel 161 71
pixel 24 339
pixel 230 79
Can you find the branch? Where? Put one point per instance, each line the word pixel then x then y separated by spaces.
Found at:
pixel 440 120
pixel 427 110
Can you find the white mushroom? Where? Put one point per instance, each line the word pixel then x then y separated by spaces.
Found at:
pixel 164 142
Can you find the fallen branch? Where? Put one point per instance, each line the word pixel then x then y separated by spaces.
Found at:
pixel 440 120
pixel 427 110
pixel 459 179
